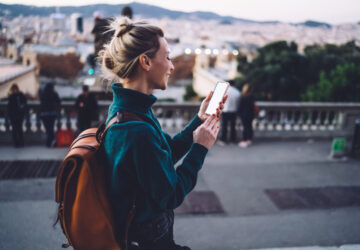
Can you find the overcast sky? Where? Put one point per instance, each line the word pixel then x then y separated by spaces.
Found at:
pixel 331 11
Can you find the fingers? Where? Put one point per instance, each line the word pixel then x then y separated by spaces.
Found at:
pixel 216 129
pixel 209 120
pixel 218 113
pixel 214 123
pixel 207 99
pixel 225 98
pixel 221 105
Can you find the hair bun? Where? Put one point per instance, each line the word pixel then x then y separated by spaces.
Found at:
pixel 121 26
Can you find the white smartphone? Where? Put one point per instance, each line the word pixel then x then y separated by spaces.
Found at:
pixel 218 94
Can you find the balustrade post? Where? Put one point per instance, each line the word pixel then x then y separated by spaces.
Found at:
pixel 7 123
pixel 68 121
pixel 38 122
pixel 174 116
pixel 326 119
pixel 27 122
pixel 292 114
pixel 283 119
pixel 58 121
pixel 184 119
pixel 301 120
pixel 318 120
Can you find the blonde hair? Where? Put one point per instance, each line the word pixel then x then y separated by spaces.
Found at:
pixel 119 58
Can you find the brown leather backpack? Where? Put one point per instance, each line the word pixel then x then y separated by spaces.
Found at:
pixel 84 209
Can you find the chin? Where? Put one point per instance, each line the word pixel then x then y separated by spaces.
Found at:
pixel 164 86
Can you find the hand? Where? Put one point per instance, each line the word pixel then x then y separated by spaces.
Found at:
pixel 205 104
pixel 207 132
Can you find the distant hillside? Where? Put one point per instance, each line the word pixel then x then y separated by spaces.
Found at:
pixel 315 24
pixel 147 11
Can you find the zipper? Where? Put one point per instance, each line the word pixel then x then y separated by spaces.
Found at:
pixel 81 137
pixel 86 147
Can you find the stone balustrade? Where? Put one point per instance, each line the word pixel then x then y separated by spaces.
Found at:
pixel 275 120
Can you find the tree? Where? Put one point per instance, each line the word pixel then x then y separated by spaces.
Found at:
pixel 65 66
pixel 277 73
pixel 328 57
pixel 281 73
pixel 342 84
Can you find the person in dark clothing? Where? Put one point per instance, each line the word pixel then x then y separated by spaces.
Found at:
pixel 246 112
pixel 17 108
pixel 87 109
pixel 141 155
pixel 49 108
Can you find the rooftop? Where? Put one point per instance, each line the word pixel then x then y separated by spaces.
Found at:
pixel 9 71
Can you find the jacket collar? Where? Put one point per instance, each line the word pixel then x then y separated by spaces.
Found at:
pixel 131 100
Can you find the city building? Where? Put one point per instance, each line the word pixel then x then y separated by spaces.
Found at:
pixel 24 76
pixel 76 24
pixel 58 22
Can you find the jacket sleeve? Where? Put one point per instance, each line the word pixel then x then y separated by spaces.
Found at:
pixel 156 173
pixel 181 142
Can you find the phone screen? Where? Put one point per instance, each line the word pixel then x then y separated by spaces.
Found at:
pixel 219 92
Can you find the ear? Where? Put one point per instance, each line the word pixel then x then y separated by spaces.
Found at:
pixel 145 62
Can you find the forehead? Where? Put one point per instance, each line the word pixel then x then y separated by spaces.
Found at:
pixel 164 48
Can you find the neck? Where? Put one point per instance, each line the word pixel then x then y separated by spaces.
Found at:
pixel 139 84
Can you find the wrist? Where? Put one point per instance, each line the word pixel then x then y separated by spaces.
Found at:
pixel 201 117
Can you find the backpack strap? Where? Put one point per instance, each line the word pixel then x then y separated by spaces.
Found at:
pixel 121 116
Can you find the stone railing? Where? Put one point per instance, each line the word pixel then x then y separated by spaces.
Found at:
pixel 297 119
pixel 275 119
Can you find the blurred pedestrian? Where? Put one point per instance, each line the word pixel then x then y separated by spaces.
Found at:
pixel 49 109
pixel 17 108
pixel 246 112
pixel 87 109
pixel 229 116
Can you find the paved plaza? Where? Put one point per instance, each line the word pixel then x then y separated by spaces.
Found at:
pixel 242 180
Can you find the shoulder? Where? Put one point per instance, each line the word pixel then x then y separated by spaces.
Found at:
pixel 136 130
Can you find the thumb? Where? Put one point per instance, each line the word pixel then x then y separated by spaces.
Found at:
pixel 209 96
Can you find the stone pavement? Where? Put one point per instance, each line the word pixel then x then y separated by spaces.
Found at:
pixel 239 177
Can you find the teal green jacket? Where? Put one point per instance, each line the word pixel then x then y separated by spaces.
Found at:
pixel 141 157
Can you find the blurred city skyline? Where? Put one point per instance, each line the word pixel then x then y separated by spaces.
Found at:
pixel 330 11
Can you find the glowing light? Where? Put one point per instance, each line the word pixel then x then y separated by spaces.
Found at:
pixel 91 72
pixel 207 51
pixel 215 51
pixel 188 51
pixel 198 51
pixel 235 52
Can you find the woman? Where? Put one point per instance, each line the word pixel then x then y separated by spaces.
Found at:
pixel 246 112
pixel 17 107
pixel 49 108
pixel 140 154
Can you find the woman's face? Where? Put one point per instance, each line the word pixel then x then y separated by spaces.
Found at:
pixel 161 66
